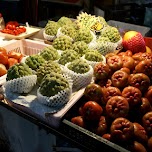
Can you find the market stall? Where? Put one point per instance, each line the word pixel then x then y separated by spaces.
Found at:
pixel 37 120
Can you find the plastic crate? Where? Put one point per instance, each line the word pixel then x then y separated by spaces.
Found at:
pixel 145 31
pixel 26 47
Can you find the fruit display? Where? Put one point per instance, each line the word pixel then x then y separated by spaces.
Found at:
pixel 117 106
pixel 20 79
pixel 117 100
pixel 90 22
pixel 13 28
pixel 79 66
pixel 47 68
pixel 93 55
pixel 134 41
pixel 34 61
pixel 80 47
pixel 49 53
pixel 64 20
pixel 68 30
pixel 80 72
pixel 62 43
pixel 51 28
pixel 52 84
pixel 55 89
pixel 68 56
pixel 112 33
pixel 8 59
pixel 17 71
pixel 84 35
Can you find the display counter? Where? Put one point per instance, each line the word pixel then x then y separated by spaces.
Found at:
pixel 34 128
pixel 34 131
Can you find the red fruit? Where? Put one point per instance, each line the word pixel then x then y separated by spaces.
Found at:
pixel 93 92
pixel 110 92
pixel 145 106
pixel 12 61
pixel 140 133
pixel 147 122
pixel 128 62
pixel 107 136
pixel 138 147
pixel 3 58
pixel 117 106
pixel 119 79
pixel 134 41
pixel 3 70
pixel 145 67
pixel 150 143
pixel 92 111
pixel 121 129
pixel 102 126
pixel 114 62
pixel 78 120
pixel 101 71
pixel 133 95
pixel 140 81
pixel 148 95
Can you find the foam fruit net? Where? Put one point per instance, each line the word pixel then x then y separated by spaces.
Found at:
pixel 59 99
pixel 21 85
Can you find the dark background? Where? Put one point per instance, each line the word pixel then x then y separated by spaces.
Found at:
pixel 37 15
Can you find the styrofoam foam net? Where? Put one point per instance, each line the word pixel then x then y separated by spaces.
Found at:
pixel 48 37
pixel 93 63
pixel 79 80
pixel 59 99
pixel 22 84
pixel 103 47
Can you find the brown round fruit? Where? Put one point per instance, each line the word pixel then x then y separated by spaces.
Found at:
pixel 101 71
pixel 140 81
pixel 114 62
pixel 117 106
pixel 140 133
pixel 92 111
pixel 121 129
pixel 133 95
pixel 147 122
pixel 110 92
pixel 78 120
pixel 93 92
pixel 119 79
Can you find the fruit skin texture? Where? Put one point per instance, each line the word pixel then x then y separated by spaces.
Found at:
pixel 101 71
pixel 117 106
pixel 3 70
pixel 121 129
pixel 140 133
pixel 92 110
pixel 93 92
pixel 134 41
pixel 78 120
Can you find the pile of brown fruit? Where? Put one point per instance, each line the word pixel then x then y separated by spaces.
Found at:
pixel 118 105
